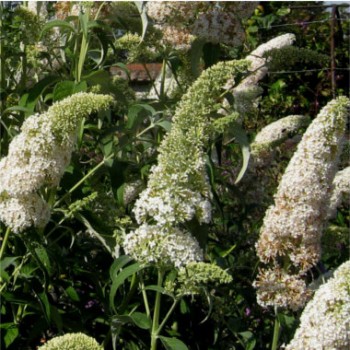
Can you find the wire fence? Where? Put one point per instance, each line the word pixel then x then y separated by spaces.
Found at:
pixel 335 20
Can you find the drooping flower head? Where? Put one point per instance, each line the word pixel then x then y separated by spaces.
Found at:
pixel 292 227
pixel 38 156
pixel 178 187
pixel 276 133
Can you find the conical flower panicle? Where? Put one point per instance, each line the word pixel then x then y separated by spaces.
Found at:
pixel 178 187
pixel 292 227
pixel 38 156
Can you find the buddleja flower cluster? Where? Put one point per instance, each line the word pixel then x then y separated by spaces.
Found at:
pixel 163 246
pixel 72 341
pixel 258 61
pixel 290 236
pixel 196 275
pixel 325 321
pixel 274 134
pixel 213 22
pixel 178 188
pixel 247 91
pixel 37 158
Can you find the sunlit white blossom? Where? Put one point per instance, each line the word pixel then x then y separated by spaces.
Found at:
pixel 278 131
pixel 38 156
pixel 20 213
pixel 178 187
pixel 72 341
pixel 277 287
pixel 325 321
pixel 163 246
pixel 131 191
pixel 258 61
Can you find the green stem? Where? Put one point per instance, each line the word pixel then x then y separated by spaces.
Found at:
pixel 82 56
pixel 15 272
pixel 162 83
pixel 151 79
pixel 167 315
pixel 156 312
pixel 145 130
pixel 90 173
pixel 276 332
pixel 144 295
pixel 4 242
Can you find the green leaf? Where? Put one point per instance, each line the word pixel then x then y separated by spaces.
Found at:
pixel 155 288
pixel 253 29
pixel 67 88
pixel 141 320
pixel 183 306
pixel 37 90
pixel 248 339
pixel 57 23
pixel 44 301
pixel 4 264
pixel 84 20
pixel 118 264
pixel 56 318
pixel 117 320
pixel 141 6
pixel 283 11
pixel 173 343
pixel 7 261
pixel 120 194
pixel 72 293
pixel 165 124
pixel 44 258
pixel 118 280
pixel 226 252
pixel 99 77
pixel 242 139
pixel 11 333
pixel 107 144
pixel 196 54
pixel 17 109
pixel 137 112
pixel 20 299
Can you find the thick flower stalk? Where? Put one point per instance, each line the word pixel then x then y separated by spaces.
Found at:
pixel 325 321
pixel 290 235
pixel 72 341
pixel 38 156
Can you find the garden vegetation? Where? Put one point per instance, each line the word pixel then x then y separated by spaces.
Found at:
pixel 174 175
